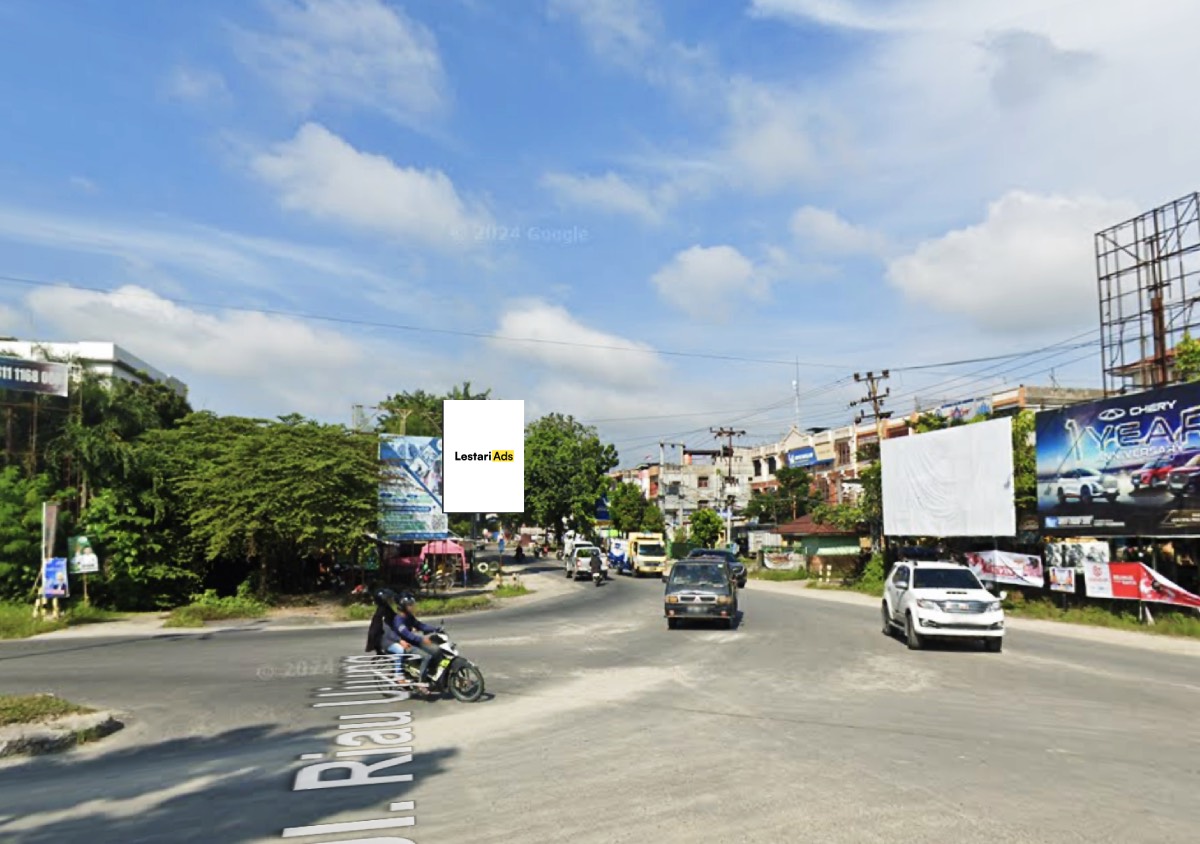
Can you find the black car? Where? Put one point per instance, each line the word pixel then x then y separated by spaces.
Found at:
pixel 700 589
pixel 737 569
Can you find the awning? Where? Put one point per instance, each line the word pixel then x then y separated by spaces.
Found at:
pixel 442 546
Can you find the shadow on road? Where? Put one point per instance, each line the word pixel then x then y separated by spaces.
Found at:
pixel 233 787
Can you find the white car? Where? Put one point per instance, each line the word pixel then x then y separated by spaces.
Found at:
pixel 579 562
pixel 1083 485
pixel 941 600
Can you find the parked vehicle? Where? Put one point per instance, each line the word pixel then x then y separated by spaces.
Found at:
pixel 1155 473
pixel 737 569
pixel 941 600
pixel 1083 485
pixel 700 590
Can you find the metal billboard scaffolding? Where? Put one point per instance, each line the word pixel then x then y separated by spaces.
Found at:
pixel 1149 281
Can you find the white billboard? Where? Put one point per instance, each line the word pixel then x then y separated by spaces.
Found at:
pixel 953 482
pixel 484 456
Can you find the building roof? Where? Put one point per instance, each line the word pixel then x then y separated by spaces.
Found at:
pixel 805 526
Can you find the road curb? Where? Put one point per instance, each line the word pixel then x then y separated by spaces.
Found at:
pixel 1063 629
pixel 57 735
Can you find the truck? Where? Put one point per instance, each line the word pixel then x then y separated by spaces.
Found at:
pixel 646 553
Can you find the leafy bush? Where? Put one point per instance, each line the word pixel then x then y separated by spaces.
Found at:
pixel 209 606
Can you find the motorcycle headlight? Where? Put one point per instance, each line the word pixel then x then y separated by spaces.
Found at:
pixel 927 604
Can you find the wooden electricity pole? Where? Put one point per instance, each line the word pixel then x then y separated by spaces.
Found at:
pixel 875 399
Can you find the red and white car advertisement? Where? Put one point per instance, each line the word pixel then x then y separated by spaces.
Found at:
pixel 1006 567
pixel 1134 582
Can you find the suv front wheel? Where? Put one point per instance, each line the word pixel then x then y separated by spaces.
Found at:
pixel 911 636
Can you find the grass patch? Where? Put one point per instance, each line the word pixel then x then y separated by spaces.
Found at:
pixel 1166 622
pixel 17 622
pixel 89 614
pixel 210 607
pixel 356 612
pixel 32 709
pixel 512 590
pixel 450 606
pixel 779 574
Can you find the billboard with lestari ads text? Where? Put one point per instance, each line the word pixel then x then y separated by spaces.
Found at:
pixel 410 492
pixel 1122 466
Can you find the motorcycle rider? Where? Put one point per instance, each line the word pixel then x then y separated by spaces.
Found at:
pixel 405 631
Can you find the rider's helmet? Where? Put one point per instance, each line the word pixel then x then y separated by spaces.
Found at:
pixel 385 599
pixel 406 601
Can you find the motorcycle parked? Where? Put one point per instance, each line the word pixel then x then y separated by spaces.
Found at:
pixel 453 672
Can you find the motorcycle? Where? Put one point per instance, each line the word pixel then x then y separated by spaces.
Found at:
pixel 452 672
pixel 598 573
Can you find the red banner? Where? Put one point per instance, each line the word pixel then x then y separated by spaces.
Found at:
pixel 1135 582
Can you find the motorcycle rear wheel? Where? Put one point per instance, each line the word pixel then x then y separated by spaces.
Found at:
pixel 465 682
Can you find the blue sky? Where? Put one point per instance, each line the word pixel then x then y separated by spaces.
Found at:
pixel 854 185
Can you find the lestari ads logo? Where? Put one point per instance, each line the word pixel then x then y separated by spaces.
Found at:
pixel 484 442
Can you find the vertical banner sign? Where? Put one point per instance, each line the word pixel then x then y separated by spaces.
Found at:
pixel 49 528
pixel 410 492
pixel 1123 466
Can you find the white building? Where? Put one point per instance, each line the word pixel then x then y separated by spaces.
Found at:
pixel 105 359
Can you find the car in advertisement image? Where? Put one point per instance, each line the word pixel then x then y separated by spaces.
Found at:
pixel 1085 484
pixel 1185 479
pixel 1123 465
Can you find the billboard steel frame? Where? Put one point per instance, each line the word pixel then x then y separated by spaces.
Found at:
pixel 1148 270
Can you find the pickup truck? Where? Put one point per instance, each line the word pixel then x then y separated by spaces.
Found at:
pixel 579 562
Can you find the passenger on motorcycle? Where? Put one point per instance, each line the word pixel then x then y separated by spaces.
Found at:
pixel 401 633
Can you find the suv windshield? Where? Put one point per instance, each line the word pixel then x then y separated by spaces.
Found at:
pixel 698 574
pixel 651 550
pixel 945 579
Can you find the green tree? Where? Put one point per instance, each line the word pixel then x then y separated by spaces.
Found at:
pixel 653 520
pixel 566 468
pixel 21 501
pixel 765 507
pixel 795 491
pixel 273 494
pixel 1024 463
pixel 707 527
pixel 627 507
pixel 845 516
pixel 1187 358
pixel 421 414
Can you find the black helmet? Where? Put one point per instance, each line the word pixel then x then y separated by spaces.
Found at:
pixel 385 598
pixel 405 600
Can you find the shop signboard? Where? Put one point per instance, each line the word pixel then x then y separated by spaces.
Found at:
pixel 410 493
pixel 1122 466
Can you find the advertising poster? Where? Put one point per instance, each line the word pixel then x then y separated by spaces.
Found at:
pixel 1135 582
pixel 1006 567
pixel 1062 580
pixel 54 578
pixel 1122 466
pixel 1076 555
pixel 410 493
pixel 83 558
pixel 34 376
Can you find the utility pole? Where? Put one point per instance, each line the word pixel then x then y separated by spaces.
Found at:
pixel 875 399
pixel 796 393
pixel 729 434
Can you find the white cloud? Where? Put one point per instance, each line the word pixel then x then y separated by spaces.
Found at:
pixel 705 282
pixel 825 232
pixel 1029 266
pixel 320 174
pixel 362 53
pixel 192 84
pixel 84 184
pixel 617 30
pixel 568 347
pixel 612 193
pixel 770 142
pixel 207 252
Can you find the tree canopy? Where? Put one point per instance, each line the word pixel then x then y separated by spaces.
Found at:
pixel 566 473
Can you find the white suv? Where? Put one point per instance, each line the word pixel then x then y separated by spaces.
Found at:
pixel 942 599
pixel 579 561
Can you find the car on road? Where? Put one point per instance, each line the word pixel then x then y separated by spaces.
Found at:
pixel 700 589
pixel 579 562
pixel 1083 485
pixel 737 569
pixel 1185 479
pixel 930 600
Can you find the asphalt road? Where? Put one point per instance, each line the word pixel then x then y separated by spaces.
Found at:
pixel 804 724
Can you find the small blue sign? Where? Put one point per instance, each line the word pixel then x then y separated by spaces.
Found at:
pixel 799 458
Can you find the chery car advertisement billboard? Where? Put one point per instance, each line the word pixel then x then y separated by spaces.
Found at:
pixel 1122 466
